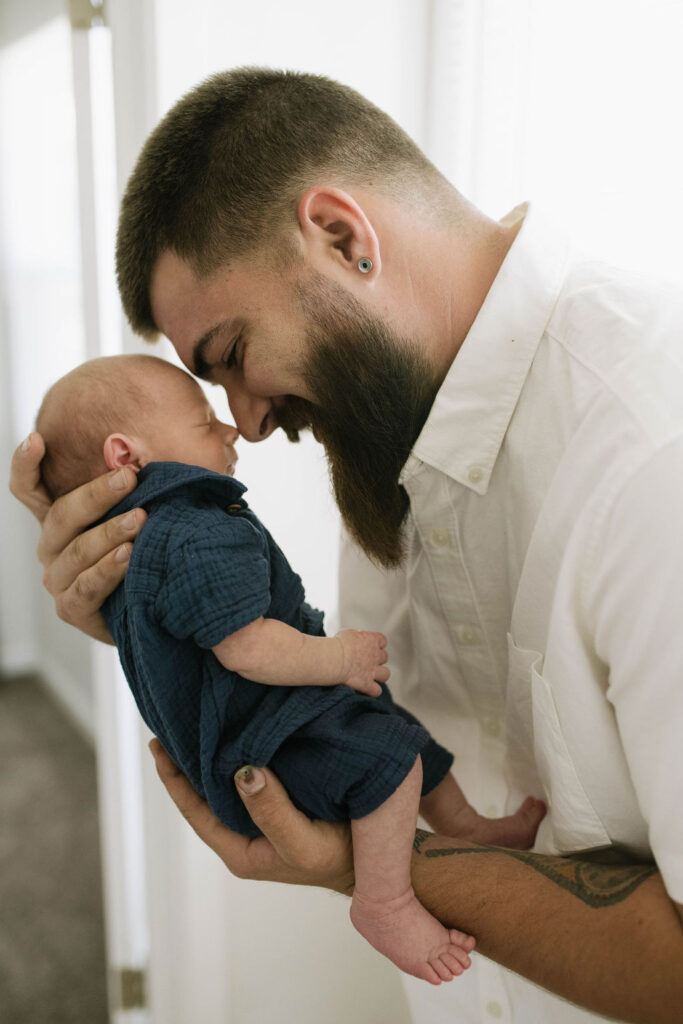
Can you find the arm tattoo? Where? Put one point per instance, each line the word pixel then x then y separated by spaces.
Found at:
pixel 598 885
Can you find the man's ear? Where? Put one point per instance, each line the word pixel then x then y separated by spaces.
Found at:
pixel 335 227
pixel 121 450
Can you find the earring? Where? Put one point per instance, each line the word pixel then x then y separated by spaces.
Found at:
pixel 365 265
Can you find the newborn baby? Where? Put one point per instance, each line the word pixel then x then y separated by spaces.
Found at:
pixel 230 666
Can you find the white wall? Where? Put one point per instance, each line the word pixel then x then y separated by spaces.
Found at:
pixel 42 329
pixel 573 105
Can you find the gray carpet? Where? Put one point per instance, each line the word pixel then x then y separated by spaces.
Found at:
pixel 52 959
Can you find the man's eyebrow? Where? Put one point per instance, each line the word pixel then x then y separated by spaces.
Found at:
pixel 200 366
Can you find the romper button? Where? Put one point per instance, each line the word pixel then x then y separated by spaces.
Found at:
pixel 233 509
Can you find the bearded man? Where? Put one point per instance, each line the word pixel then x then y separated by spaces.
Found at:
pixel 505 436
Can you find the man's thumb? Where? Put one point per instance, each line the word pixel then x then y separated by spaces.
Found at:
pixel 249 780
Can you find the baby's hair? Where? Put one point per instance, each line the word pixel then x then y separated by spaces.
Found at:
pixel 100 397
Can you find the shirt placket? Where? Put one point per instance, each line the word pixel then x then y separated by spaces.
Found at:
pixel 436 523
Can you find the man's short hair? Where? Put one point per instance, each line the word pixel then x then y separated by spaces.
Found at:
pixel 222 173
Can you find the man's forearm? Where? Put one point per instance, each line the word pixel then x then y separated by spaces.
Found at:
pixel 606 937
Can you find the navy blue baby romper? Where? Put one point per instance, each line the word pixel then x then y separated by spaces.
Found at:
pixel 202 567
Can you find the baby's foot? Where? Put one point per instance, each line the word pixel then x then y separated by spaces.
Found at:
pixel 403 930
pixel 518 830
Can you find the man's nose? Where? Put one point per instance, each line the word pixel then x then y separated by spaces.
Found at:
pixel 253 414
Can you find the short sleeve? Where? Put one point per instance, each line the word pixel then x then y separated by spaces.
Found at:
pixel 217 580
pixel 637 591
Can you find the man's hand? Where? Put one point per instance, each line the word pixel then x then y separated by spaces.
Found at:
pixel 81 568
pixel 292 849
pixel 364 656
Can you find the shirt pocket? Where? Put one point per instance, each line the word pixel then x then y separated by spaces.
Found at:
pixel 534 723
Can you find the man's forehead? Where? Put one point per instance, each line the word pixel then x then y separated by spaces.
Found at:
pixel 185 307
pixel 173 283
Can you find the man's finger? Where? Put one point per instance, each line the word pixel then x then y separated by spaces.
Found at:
pixel 307 852
pixel 312 849
pixel 196 811
pixel 73 512
pixel 270 808
pixel 80 604
pixel 244 857
pixel 100 549
pixel 24 482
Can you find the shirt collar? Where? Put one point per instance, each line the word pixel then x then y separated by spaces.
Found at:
pixel 158 479
pixel 467 423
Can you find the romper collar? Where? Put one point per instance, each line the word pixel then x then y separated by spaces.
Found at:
pixel 158 479
pixel 467 423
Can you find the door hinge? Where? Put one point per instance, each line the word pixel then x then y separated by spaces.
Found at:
pixel 85 14
pixel 130 988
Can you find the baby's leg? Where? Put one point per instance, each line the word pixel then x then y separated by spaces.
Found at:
pixel 446 810
pixel 385 910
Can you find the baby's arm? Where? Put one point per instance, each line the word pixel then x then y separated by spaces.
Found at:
pixel 270 651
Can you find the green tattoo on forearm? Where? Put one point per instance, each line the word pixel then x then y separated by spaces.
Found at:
pixel 598 885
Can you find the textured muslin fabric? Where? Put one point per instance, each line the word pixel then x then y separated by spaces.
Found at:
pixel 202 567
pixel 535 628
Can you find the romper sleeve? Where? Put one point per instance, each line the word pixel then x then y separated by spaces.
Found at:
pixel 217 580
pixel 637 594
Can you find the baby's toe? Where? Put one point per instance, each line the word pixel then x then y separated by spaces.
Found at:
pixel 462 939
pixel 452 963
pixel 460 956
pixel 439 966
pixel 430 975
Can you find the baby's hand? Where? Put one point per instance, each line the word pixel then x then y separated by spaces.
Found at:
pixel 363 658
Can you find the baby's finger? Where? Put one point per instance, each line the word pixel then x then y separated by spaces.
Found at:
pixel 382 675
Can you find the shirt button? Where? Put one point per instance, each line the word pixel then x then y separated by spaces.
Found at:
pixel 233 509
pixel 469 635
pixel 491 811
pixel 494 1009
pixel 475 474
pixel 440 538
pixel 491 726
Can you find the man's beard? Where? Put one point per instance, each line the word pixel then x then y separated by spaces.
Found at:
pixel 372 394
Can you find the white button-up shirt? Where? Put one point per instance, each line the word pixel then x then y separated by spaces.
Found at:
pixel 537 626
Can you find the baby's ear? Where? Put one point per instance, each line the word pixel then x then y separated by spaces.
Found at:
pixel 120 450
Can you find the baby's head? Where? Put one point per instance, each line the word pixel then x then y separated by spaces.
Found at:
pixel 128 411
